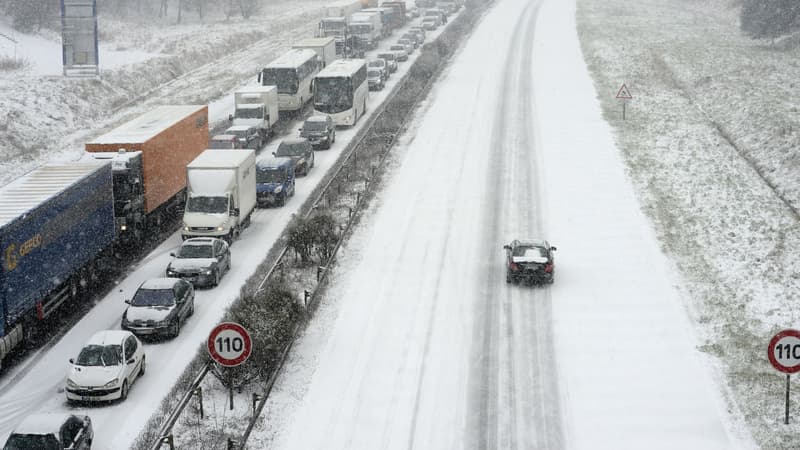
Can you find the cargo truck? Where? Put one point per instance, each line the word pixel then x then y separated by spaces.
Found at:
pixel 366 28
pixel 342 8
pixel 149 156
pixel 221 194
pixel 399 18
pixel 324 46
pixel 56 236
pixel 386 19
pixel 256 106
pixel 334 23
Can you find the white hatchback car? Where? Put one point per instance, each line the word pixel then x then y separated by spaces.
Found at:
pixel 106 367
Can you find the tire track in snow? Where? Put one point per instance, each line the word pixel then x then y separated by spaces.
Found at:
pixel 513 384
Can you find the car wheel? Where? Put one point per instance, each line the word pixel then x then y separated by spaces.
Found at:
pixel 282 200
pixel 333 139
pixel 191 309
pixel 508 278
pixel 143 366
pixel 124 392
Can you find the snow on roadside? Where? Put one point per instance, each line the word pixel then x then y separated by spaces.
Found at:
pixel 729 234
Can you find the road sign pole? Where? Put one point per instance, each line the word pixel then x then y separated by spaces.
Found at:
pixel 230 389
pixel 623 109
pixel 786 420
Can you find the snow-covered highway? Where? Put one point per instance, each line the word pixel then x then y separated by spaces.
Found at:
pixel 420 343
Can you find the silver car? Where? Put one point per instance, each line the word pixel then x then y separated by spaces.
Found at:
pixel 202 261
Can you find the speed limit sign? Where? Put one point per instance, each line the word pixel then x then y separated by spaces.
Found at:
pixel 229 344
pixel 784 351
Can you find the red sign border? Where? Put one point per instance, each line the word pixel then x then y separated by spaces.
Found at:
pixel 248 344
pixel 771 347
pixel 626 91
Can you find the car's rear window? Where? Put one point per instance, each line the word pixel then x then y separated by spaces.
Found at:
pixel 531 252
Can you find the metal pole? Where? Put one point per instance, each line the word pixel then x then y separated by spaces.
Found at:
pixel 230 389
pixel 623 109
pixel 786 419
pixel 199 393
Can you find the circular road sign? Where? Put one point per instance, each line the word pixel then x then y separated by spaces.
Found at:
pixel 229 344
pixel 784 351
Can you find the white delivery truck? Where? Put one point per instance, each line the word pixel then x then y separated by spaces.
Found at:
pixel 324 46
pixel 367 28
pixel 221 194
pixel 256 106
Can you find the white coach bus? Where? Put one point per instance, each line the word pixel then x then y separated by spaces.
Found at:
pixel 292 74
pixel 341 90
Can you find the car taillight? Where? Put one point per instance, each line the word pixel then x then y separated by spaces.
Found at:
pixel 514 267
pixel 548 268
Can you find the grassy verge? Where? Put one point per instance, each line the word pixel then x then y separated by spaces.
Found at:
pixel 711 148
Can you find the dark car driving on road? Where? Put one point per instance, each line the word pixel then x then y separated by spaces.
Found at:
pixel 300 150
pixel 530 261
pixel 159 306
pixel 319 130
pixel 202 261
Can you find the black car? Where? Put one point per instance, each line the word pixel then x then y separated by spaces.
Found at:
pixel 160 306
pixel 52 431
pixel 319 130
pixel 529 261
pixel 202 261
pixel 300 150
pixel 246 136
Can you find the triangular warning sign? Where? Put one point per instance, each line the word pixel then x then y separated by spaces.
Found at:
pixel 624 93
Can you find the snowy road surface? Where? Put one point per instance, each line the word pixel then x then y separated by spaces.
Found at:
pixel 420 343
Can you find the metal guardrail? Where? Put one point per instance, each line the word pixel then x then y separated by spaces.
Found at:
pixel 165 432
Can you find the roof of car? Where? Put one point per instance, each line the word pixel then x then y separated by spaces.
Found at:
pixel 294 141
pixel 318 118
pixel 159 283
pixel 223 137
pixel 41 423
pixel 240 128
pixel 199 241
pixel 273 162
pixel 108 337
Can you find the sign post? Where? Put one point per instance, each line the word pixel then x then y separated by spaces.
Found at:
pixel 229 344
pixel 624 94
pixel 783 352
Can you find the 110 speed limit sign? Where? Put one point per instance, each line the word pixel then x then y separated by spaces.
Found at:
pixel 784 351
pixel 229 344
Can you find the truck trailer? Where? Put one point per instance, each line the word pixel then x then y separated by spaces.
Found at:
pixel 221 194
pixel 149 156
pixel 256 106
pixel 324 46
pixel 56 231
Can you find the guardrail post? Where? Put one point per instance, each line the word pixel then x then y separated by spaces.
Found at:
pixel 168 439
pixel 320 269
pixel 349 212
pixel 231 444
pixel 306 295
pixel 256 398
pixel 198 391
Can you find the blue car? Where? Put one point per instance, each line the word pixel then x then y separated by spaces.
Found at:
pixel 274 180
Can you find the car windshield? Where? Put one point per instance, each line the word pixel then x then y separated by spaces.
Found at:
pixel 285 149
pixel 153 297
pixel 271 175
pixel 378 64
pixel 99 355
pixel 214 205
pixel 397 47
pixel 32 442
pixel 386 56
pixel 314 126
pixel 373 74
pixel 195 251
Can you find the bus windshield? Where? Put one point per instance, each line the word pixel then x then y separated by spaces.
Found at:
pixel 333 95
pixel 284 78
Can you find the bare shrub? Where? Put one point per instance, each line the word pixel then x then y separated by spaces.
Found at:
pixel 9 63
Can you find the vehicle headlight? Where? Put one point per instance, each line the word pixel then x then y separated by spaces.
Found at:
pixel 207 272
pixel 220 228
pixel 185 227
pixel 71 384
pixel 278 189
pixel 171 272
pixel 111 383
pixel 123 227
